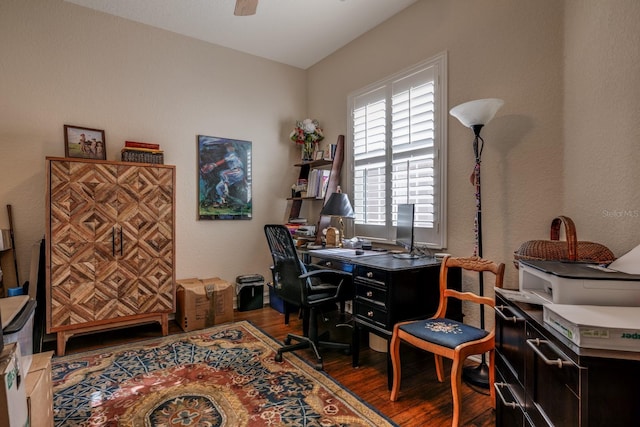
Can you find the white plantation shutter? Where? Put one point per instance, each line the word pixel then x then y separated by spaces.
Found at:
pixel 397 130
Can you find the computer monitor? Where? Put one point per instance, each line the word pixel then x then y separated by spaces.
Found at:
pixel 404 230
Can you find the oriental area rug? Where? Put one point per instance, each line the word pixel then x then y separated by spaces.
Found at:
pixel 222 376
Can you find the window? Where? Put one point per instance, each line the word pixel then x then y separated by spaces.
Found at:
pixel 396 153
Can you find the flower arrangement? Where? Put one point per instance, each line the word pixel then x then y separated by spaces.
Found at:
pixel 307 131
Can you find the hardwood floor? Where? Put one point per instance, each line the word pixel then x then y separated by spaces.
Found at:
pixel 423 401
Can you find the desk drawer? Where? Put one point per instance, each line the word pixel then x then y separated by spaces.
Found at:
pixel 371 293
pixel 371 275
pixel 335 265
pixel 372 314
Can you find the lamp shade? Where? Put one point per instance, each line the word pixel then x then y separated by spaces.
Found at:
pixel 478 112
pixel 338 205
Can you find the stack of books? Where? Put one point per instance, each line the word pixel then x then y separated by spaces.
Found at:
pixel 142 152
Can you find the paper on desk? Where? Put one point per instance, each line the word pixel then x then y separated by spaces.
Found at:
pixel 628 263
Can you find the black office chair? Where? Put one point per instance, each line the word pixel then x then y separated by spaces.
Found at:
pixel 312 290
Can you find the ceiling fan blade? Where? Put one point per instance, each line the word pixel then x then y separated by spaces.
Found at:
pixel 245 7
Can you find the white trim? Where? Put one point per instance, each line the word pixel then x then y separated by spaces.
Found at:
pixel 440 64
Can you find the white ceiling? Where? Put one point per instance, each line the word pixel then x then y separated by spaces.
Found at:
pixel 294 32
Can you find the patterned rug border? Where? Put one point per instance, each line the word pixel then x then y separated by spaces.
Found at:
pixel 305 366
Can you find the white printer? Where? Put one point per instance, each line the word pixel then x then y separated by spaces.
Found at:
pixel 563 282
pixel 593 307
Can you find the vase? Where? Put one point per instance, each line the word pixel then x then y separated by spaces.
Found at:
pixel 308 149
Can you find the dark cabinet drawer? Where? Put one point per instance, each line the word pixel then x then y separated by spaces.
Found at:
pixel 371 274
pixel 552 383
pixel 511 338
pixel 506 372
pixel 509 410
pixel 373 314
pixel 372 294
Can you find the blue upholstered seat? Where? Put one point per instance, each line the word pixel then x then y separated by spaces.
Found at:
pixel 444 332
pixel 447 338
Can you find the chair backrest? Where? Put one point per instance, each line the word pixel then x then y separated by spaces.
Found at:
pixel 469 264
pixel 287 266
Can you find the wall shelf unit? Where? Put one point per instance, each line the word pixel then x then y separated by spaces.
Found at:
pixel 334 167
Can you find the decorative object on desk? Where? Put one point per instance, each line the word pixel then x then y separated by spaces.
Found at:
pixel 475 115
pixel 224 375
pixel 339 206
pixel 308 134
pixel 85 143
pixel 556 250
pixel 332 237
pixel 224 184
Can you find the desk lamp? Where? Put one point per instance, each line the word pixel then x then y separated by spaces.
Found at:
pixel 476 114
pixel 339 206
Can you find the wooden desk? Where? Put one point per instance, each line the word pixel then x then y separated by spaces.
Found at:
pixel 389 290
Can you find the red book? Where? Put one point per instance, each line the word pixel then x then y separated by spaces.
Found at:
pixel 149 145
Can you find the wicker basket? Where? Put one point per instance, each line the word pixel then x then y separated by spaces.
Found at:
pixel 571 250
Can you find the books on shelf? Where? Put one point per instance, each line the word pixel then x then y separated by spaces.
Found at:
pixel 142 152
pixel 317 183
pixel 135 144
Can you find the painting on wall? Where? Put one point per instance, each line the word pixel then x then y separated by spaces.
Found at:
pixel 224 178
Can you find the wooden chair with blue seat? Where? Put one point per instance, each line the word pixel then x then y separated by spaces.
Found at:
pixel 449 338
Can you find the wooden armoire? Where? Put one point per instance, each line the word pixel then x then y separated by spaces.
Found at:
pixel 110 255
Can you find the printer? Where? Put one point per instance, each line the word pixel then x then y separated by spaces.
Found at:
pixel 562 282
pixel 592 306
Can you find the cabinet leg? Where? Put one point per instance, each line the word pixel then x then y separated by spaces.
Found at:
pixel 164 322
pixel 61 341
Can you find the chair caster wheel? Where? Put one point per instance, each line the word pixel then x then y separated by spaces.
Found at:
pixel 319 366
pixel 278 357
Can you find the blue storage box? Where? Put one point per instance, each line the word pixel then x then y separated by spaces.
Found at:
pixel 275 301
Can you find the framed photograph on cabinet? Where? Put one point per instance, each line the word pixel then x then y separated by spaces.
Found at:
pixel 224 178
pixel 85 143
pixel 319 155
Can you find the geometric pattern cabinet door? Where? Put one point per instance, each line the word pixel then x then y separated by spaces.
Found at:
pixel 110 233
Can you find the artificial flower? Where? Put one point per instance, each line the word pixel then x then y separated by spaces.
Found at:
pixel 307 130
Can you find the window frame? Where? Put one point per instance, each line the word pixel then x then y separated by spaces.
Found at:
pixel 435 238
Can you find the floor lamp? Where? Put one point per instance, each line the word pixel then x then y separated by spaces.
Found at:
pixel 476 114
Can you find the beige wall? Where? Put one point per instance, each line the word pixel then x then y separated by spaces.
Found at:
pixel 563 143
pixel 509 50
pixel 602 117
pixel 64 64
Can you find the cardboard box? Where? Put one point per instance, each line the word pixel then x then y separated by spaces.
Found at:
pixel 13 399
pixel 203 303
pixel 222 299
pixel 39 390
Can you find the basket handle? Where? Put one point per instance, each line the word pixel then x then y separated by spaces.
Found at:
pixel 570 232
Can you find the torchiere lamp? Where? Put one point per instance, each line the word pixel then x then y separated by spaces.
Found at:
pixel 339 206
pixel 476 114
